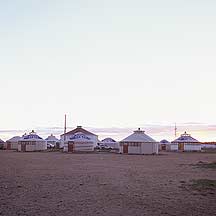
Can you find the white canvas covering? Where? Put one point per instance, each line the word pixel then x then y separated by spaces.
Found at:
pixel 186 143
pixel 164 145
pixel 32 142
pixel 208 145
pixel 138 143
pixel 52 140
pixel 186 138
pixel 138 136
pixel 12 144
pixel 79 129
pixel 79 142
pixel 109 142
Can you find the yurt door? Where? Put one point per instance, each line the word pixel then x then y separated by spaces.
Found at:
pixel 163 147
pixel 23 147
pixel 125 149
pixel 70 147
pixel 8 146
pixel 181 146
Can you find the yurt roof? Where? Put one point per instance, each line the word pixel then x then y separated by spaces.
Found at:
pixel 138 136
pixel 1 141
pixel 80 137
pixel 164 141
pixel 79 129
pixel 51 138
pixel 108 140
pixel 32 136
pixel 14 139
pixel 185 138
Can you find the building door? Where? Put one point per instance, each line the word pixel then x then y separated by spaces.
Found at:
pixel 181 146
pixel 70 147
pixel 8 146
pixel 23 147
pixel 163 147
pixel 125 149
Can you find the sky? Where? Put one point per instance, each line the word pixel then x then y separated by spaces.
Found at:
pixel 110 65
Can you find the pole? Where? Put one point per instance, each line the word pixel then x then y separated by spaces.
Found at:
pixel 65 126
pixel 175 130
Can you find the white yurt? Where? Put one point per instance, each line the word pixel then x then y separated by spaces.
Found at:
pixel 109 142
pixel 80 129
pixel 138 143
pixel 32 142
pixel 12 144
pixel 186 143
pixel 52 140
pixel 164 145
pixel 79 142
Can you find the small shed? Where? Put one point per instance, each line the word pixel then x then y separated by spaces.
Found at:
pixel 12 144
pixel 186 143
pixel 109 142
pixel 79 142
pixel 52 140
pixel 32 142
pixel 138 143
pixel 164 145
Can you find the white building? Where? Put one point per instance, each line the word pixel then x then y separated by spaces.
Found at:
pixel 164 145
pixel 185 143
pixel 52 140
pixel 32 142
pixel 12 144
pixel 138 143
pixel 79 129
pixel 109 142
pixel 79 142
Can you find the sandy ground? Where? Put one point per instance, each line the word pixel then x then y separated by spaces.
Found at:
pixel 55 183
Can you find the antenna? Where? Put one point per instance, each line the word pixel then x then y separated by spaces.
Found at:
pixel 175 130
pixel 65 127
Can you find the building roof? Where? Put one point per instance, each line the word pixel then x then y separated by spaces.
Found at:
pixel 51 138
pixel 1 141
pixel 14 139
pixel 164 141
pixel 80 137
pixel 32 136
pixel 185 138
pixel 209 143
pixel 79 129
pixel 138 136
pixel 108 140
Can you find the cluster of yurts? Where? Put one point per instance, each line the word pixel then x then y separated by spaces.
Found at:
pixel 80 139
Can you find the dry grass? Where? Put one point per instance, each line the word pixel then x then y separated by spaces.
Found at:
pixel 201 164
pixel 203 184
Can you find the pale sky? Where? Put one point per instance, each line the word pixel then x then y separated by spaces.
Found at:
pixel 113 63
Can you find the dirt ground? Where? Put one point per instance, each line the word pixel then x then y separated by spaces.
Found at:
pixel 55 183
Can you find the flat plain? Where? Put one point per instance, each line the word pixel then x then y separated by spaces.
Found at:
pixel 56 183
